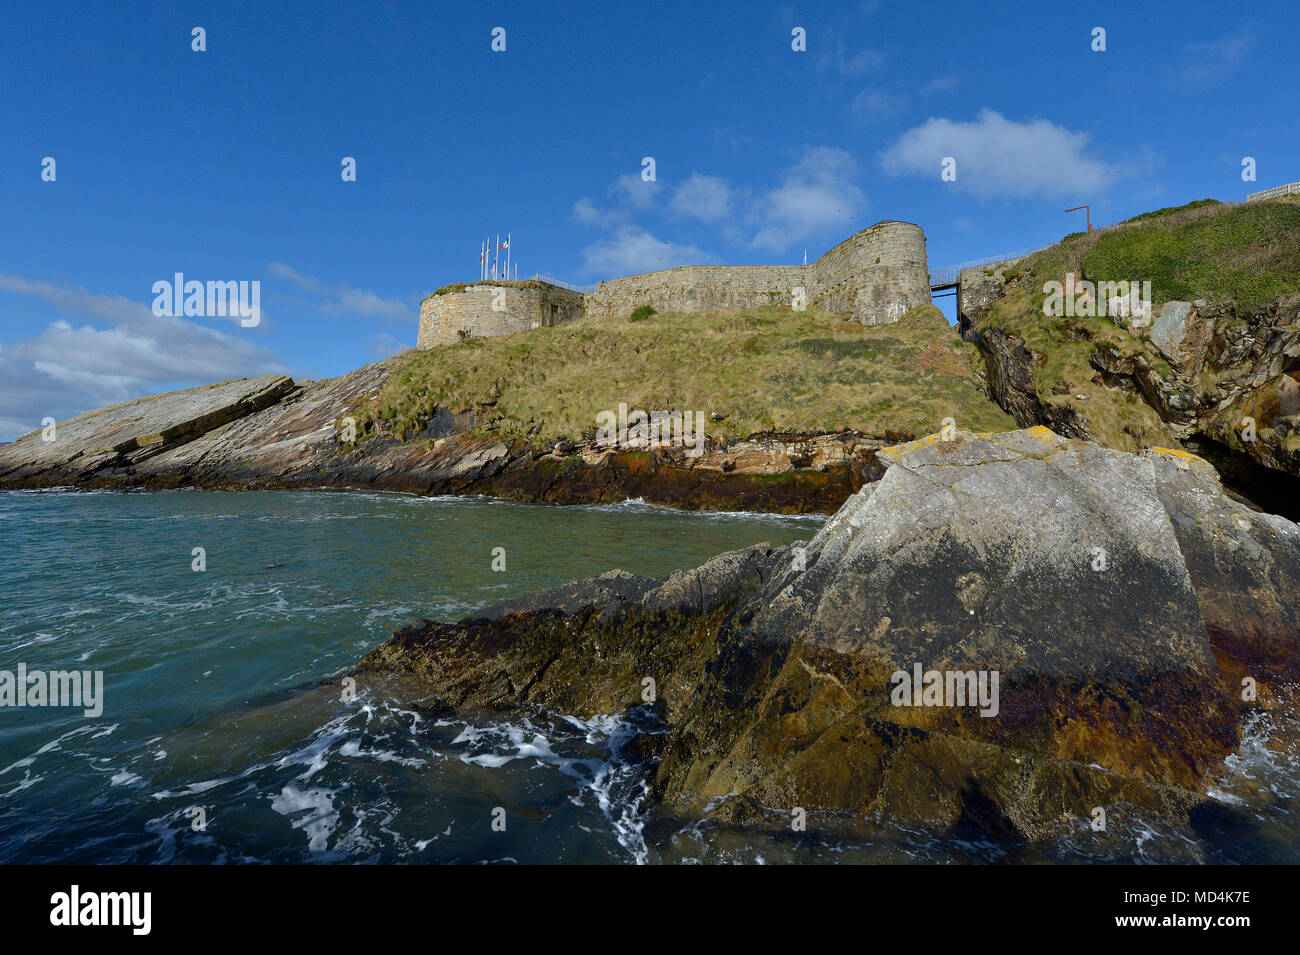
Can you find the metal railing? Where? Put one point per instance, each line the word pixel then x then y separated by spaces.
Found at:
pixel 1291 188
pixel 571 286
pixel 948 274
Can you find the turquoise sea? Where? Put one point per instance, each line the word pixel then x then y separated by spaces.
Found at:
pixel 220 742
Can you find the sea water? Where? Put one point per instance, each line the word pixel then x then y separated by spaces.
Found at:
pixel 216 619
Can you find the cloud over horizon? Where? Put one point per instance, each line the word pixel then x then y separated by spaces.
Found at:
pixel 632 250
pixel 69 368
pixel 346 300
pixel 817 195
pixel 999 157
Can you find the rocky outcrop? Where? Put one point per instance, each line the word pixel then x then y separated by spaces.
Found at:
pixel 1207 371
pixel 979 287
pixel 1009 379
pixel 273 433
pixel 124 436
pixel 1081 611
pixel 1258 398
pixel 1183 333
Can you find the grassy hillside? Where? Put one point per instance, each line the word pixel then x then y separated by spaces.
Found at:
pixel 1246 254
pixel 757 371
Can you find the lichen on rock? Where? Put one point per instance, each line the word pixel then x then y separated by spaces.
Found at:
pixel 1102 588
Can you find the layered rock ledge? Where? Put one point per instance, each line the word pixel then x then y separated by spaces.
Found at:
pixel 1124 603
pixel 272 432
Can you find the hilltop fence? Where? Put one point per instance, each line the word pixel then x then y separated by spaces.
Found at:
pixel 1291 188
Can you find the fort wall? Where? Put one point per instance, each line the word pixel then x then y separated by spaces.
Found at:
pixel 488 308
pixel 697 288
pixel 874 277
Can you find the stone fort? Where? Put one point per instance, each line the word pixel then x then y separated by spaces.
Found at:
pixel 874 277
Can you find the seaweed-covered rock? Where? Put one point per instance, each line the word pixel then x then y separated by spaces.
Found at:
pixel 1005 630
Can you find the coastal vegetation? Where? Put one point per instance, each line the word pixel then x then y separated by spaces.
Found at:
pixel 748 372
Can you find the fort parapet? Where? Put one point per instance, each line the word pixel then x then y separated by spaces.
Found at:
pixel 874 277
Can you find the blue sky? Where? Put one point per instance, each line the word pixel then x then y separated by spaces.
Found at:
pixel 225 164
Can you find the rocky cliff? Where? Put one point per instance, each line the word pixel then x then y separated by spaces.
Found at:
pixel 1212 363
pixel 1089 602
pixel 272 432
pixel 791 409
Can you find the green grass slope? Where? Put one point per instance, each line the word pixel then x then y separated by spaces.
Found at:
pixel 1248 253
pixel 760 370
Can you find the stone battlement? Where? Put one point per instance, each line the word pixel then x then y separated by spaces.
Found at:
pixel 874 277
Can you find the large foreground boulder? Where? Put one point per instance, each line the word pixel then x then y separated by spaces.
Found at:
pixel 1005 630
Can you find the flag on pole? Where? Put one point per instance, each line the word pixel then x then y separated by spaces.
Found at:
pixel 504 245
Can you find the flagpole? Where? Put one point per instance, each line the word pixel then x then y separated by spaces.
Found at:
pixel 507 255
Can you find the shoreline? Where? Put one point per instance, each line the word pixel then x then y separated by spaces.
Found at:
pixel 417 495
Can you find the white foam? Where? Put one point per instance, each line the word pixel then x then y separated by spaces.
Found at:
pixel 320 817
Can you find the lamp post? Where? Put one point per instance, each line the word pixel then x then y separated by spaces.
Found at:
pixel 1087 212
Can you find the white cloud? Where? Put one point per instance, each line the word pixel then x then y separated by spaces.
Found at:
pixel 818 195
pixel 874 105
pixel 1203 65
pixel 356 302
pixel 347 300
pixel 707 198
pixel 636 192
pixel 1000 157
pixel 79 301
pixel 585 211
pixel 304 282
pixel 67 368
pixel 632 250
pixel 817 198
pixel 836 62
pixel 629 195
pixel 940 84
pixel 383 344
